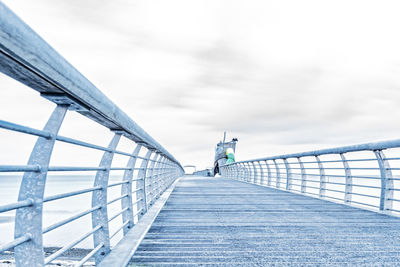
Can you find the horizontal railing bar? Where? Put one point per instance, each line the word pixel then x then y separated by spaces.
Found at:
pixel 333 190
pixel 24 129
pixel 88 256
pixel 363 195
pixel 138 212
pixel 16 205
pixel 137 201
pixel 117 214
pixel 70 219
pixel 73 169
pixel 72 244
pixel 15 242
pixel 340 199
pixel 333 183
pixel 338 150
pixel 313 187
pixel 134 191
pixel 393 189
pixel 119 229
pixel 116 199
pixel 70 194
pixel 20 168
pixel 365 186
pixel 81 143
pixel 117 183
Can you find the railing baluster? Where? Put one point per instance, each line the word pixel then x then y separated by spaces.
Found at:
pixel 126 202
pixel 268 172
pixel 322 178
pixel 303 176
pixel 253 167
pixel 349 182
pixel 261 173
pixel 99 198
pixel 278 175
pixel 150 179
pixel 288 175
pixel 142 183
pixel 28 220
pixel 387 185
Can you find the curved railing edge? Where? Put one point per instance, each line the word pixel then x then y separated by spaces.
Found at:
pixel 26 57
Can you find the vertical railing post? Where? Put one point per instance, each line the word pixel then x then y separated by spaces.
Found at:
pixel 322 178
pixel 349 182
pixel 28 220
pixel 250 169
pixel 142 175
pixel 386 196
pixel 303 187
pixel 278 174
pixel 156 177
pixel 126 189
pixel 261 173
pixel 99 199
pixel 235 172
pixel 288 175
pixel 255 173
pixel 240 177
pixel 268 172
pixel 161 177
pixel 149 190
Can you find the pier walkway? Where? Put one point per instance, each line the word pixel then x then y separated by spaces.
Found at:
pixel 216 221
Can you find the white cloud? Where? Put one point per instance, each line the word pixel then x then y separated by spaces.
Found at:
pixel 282 76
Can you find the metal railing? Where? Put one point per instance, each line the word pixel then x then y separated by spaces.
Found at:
pixel 27 58
pixel 361 175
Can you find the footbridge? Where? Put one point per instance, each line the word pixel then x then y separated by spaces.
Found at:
pixel 335 206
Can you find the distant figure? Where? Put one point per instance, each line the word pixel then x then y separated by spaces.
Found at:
pixel 230 154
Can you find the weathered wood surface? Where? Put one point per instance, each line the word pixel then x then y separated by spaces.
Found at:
pixel 211 221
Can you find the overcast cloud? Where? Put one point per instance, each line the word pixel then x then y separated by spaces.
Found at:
pixel 282 76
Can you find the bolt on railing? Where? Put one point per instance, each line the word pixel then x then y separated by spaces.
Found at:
pixel 359 175
pixel 27 58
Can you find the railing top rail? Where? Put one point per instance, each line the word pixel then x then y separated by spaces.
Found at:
pixel 337 150
pixel 26 57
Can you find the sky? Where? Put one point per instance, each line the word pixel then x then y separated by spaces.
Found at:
pixel 281 76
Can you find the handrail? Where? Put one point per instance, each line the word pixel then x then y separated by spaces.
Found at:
pixel 43 69
pixel 365 182
pixel 27 58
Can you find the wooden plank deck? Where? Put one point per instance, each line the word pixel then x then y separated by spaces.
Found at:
pixel 215 221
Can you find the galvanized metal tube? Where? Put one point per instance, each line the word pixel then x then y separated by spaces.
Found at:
pixel 99 198
pixel 28 220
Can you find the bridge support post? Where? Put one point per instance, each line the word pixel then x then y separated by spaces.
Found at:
pixel 28 220
pixel 386 196
pixel 269 173
pixel 349 182
pixel 278 174
pixel 126 189
pixel 288 175
pixel 101 238
pixel 303 176
pixel 322 178
pixel 261 173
